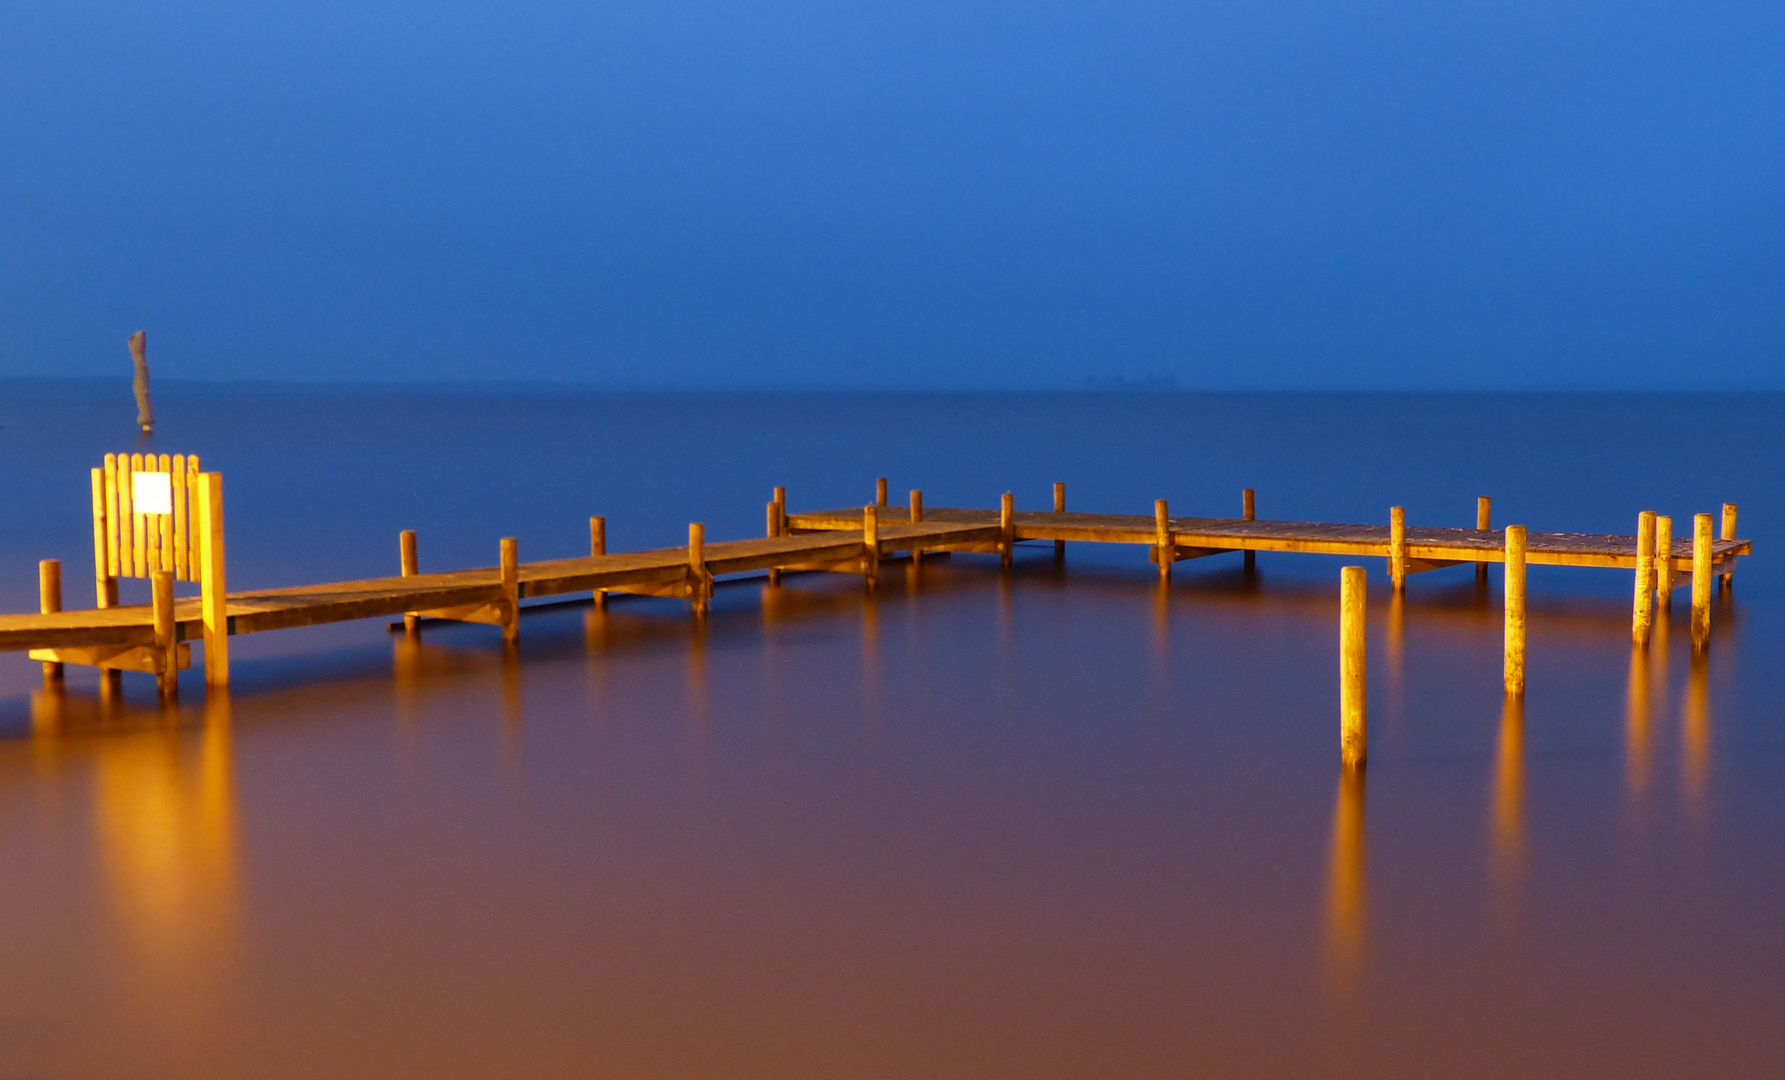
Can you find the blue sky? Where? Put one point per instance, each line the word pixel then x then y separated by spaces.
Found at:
pixel 1256 194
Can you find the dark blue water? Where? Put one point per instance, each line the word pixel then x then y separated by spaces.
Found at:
pixel 1058 822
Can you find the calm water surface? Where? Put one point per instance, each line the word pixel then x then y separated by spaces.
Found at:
pixel 1056 823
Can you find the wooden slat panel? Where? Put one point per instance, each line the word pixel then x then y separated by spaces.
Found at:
pixel 192 539
pixel 181 544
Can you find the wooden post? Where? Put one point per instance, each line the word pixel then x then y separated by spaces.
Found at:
pixel 139 541
pixel 781 511
pixel 697 567
pixel 167 646
pixel 871 544
pixel 1663 565
pixel 212 579
pixel 166 521
pixel 1059 508
pixel 112 562
pixel 1728 534
pixel 1515 609
pixel 1249 512
pixel 880 491
pixel 1162 538
pixel 1642 611
pixel 1007 523
pixel 103 582
pixel 409 566
pixel 1701 581
pixel 598 547
pixel 1353 677
pixel 1484 517
pixel 1397 547
pixel 182 541
pixel 192 471
pixel 511 589
pixel 49 600
pixel 916 519
pixel 774 530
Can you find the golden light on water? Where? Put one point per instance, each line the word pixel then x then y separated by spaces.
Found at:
pixel 1509 801
pixel 1347 890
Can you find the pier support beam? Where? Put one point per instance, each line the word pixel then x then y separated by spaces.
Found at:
pixel 1642 610
pixel 411 566
pixel 1059 508
pixel 880 491
pixel 213 582
pixel 1514 667
pixel 49 601
pixel 1701 581
pixel 1249 512
pixel 871 544
pixel 1162 538
pixel 598 547
pixel 916 519
pixel 1484 517
pixel 1353 667
pixel 1007 526
pixel 1397 547
pixel 1663 565
pixel 698 579
pixel 511 590
pixel 1728 534
pixel 167 655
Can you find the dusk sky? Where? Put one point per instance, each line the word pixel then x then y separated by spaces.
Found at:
pixel 1250 194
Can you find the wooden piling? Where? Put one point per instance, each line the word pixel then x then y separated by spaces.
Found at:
pixel 1162 538
pixel 598 547
pixel 1728 576
pixel 511 589
pixel 1007 526
pixel 1515 609
pixel 916 519
pixel 1353 669
pixel 213 581
pixel 871 544
pixel 1397 547
pixel 1642 610
pixel 167 657
pixel 409 565
pixel 774 529
pixel 1059 508
pixel 1484 518
pixel 880 491
pixel 697 567
pixel 1249 512
pixel 49 601
pixel 1663 565
pixel 781 511
pixel 1701 581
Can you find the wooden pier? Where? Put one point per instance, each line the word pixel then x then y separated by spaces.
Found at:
pixel 150 638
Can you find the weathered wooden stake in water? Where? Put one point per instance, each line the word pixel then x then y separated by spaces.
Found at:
pixel 871 544
pixel 1663 565
pixel 1353 667
pixel 167 645
pixel 1249 512
pixel 1397 547
pixel 1701 580
pixel 1007 527
pixel 1162 537
pixel 916 519
pixel 510 571
pixel 697 567
pixel 49 601
pixel 1642 610
pixel 598 547
pixel 1059 508
pixel 1484 517
pixel 1515 609
pixel 880 491
pixel 1728 534
pixel 211 578
pixel 411 566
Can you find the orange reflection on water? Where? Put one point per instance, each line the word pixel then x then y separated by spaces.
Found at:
pixel 165 818
pixel 1638 724
pixel 1509 800
pixel 1347 894
pixel 1695 737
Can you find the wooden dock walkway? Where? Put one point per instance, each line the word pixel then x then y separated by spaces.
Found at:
pixel 151 638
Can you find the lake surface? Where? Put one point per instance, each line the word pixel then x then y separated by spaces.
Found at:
pixel 1055 823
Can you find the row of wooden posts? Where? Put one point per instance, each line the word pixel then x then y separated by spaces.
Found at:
pixel 1654 585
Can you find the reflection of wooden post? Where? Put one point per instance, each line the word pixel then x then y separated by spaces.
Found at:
pixel 1701 580
pixel 167 656
pixel 211 578
pixel 1728 534
pixel 880 491
pixel 1397 547
pixel 697 567
pixel 1162 537
pixel 1353 676
pixel 1663 564
pixel 1007 524
pixel 1484 516
pixel 871 544
pixel 1515 609
pixel 1059 508
pixel 1642 611
pixel 406 559
pixel 511 589
pixel 1249 512
pixel 49 600
pixel 597 548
